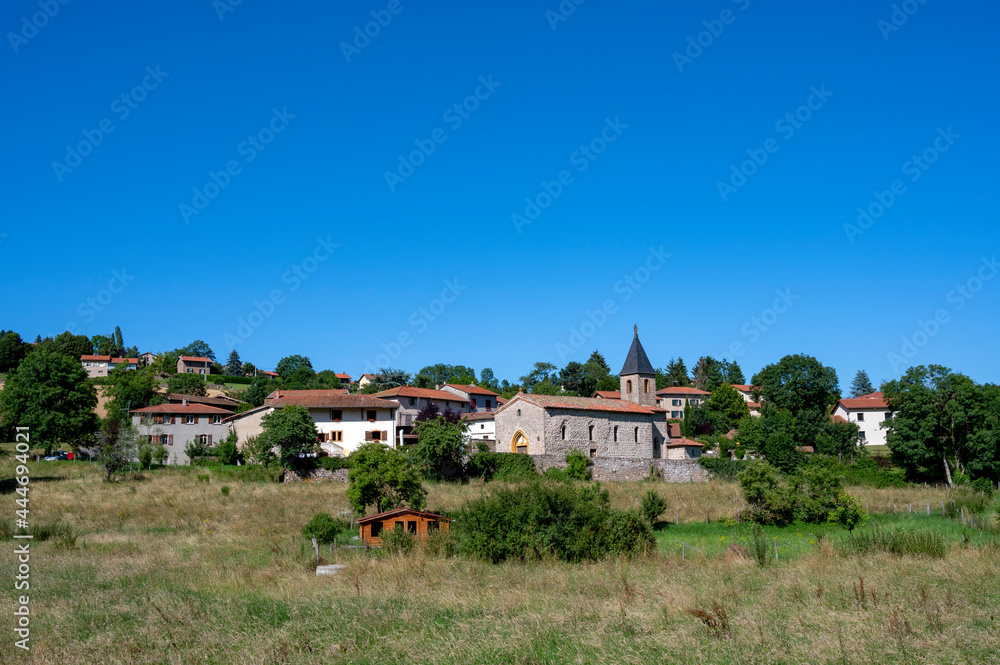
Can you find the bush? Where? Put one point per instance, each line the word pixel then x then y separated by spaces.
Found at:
pixel 397 541
pixel 983 485
pixel 225 490
pixel 333 463
pixel 578 465
pixel 542 519
pixel 868 471
pixel 145 456
pixel 501 466
pixel 440 544
pixel 849 512
pixel 723 469
pixel 324 527
pixel 652 506
pixel 759 545
pixel 226 450
pixel 813 495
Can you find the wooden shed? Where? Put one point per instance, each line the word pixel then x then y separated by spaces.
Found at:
pixel 416 522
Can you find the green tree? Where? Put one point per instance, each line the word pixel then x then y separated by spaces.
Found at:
pixel 249 369
pixel 119 343
pixel 292 429
pixel 383 477
pixel 798 383
pixel 861 385
pixel 289 364
pixel 187 384
pixel 103 345
pixel 728 406
pixel 388 378
pixel 488 380
pixel 12 351
pixel 575 379
pixel 539 373
pixel 578 465
pixel 197 348
pixel 597 360
pixel 233 366
pixel 258 391
pixel 435 375
pixel 129 389
pixel 677 374
pixel 50 394
pixel 708 373
pixel 440 449
pixel 934 415
pixel 732 373
pixel 67 344
pixel 116 447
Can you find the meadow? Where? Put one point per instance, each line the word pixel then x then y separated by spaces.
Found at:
pixel 168 567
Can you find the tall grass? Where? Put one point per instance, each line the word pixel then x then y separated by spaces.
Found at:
pixel 894 541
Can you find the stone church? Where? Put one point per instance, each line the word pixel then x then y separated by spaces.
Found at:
pixel 631 427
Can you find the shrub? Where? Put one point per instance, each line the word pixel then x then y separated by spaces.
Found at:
pixel 652 506
pixel 849 512
pixel 578 465
pixel 759 545
pixel 501 466
pixel 397 541
pixel 983 485
pixel 160 454
pixel 557 474
pixel 225 490
pixel 812 494
pixel 542 519
pixel 226 450
pixel 973 503
pixel 869 471
pixel 441 544
pixel 333 463
pixel 324 527
pixel 723 469
pixel 145 456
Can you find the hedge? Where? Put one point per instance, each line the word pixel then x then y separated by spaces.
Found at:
pixel 723 469
pixel 501 466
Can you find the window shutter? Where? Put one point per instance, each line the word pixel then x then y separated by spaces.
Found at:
pixel 368 435
pixel 385 435
pixel 173 420
pixel 170 439
pixel 209 439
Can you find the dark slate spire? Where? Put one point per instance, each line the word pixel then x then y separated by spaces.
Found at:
pixel 636 361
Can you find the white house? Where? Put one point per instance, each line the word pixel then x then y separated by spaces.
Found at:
pixel 479 398
pixel 868 412
pixel 412 401
pixel 482 426
pixel 343 422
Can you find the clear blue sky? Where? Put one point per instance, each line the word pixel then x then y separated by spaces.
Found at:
pixel 551 91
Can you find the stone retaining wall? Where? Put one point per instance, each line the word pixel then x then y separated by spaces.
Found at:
pixel 631 469
pixel 317 476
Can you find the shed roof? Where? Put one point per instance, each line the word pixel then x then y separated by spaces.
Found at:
pixel 404 511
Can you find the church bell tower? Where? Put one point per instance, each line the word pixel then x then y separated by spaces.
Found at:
pixel 638 379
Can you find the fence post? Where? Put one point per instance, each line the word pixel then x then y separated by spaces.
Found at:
pixel 928 509
pixel 775 550
pixel 684 548
pixel 316 547
pixel 707 521
pixel 678 517
pixel 737 515
pixel 911 507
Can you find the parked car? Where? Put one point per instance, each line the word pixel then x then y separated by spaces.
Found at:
pixel 57 455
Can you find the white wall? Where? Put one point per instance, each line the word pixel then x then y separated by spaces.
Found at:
pixel 354 424
pixel 871 425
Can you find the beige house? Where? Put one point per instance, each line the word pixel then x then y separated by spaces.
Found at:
pixel 194 365
pixel 176 425
pixel 479 398
pixel 674 399
pixel 96 366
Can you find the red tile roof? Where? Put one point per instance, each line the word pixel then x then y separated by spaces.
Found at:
pixel 608 394
pixel 180 409
pixel 873 401
pixel 327 399
pixel 194 359
pixel 473 389
pixel 583 403
pixel 838 419
pixel 223 402
pixel 742 387
pixel 343 375
pixel 682 390
pixel 754 405
pixel 682 443
pixel 104 358
pixel 425 393
pixel 131 361
pixel 402 511
pixel 675 430
pixel 479 415
pixel 266 373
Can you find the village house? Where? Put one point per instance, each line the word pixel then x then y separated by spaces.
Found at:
pixel 178 424
pixel 345 379
pixel 482 427
pixel 194 365
pixel 415 522
pixel 632 426
pixel 868 412
pixel 479 398
pixel 146 359
pixel 365 380
pixel 412 401
pixel 343 422
pixel 96 366
pixel 674 399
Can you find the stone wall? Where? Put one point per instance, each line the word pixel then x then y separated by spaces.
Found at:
pixel 631 469
pixel 317 476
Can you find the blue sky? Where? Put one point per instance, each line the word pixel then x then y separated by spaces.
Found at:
pixel 641 138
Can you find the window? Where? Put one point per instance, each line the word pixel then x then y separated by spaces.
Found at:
pixel 695 401
pixel 564 432
pixel 484 427
pixel 637 435
pixel 433 525
pixel 675 402
pixel 411 526
pixel 163 439
pixel 190 420
pixel 590 432
pixel 371 416
pixel 376 435
pixel 320 437
pixel 519 413
pixel 216 420
pixel 593 452
pixel 616 432
pixel 489 405
pixel 628 386
pixel 413 400
pixel 677 414
pixel 861 417
pixel 645 385
pixel 337 436
pixel 861 435
pixel 376 529
pixel 336 415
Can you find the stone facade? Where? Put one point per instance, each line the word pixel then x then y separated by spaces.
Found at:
pixel 316 476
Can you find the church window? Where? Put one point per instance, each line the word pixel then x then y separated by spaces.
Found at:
pixel 628 386
pixel 564 432
pixel 645 385
pixel 519 413
pixel 590 432
pixel 637 435
pixel 616 432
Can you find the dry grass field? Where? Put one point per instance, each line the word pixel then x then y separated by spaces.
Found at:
pixel 169 569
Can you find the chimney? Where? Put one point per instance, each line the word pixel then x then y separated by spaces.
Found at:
pixel 184 402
